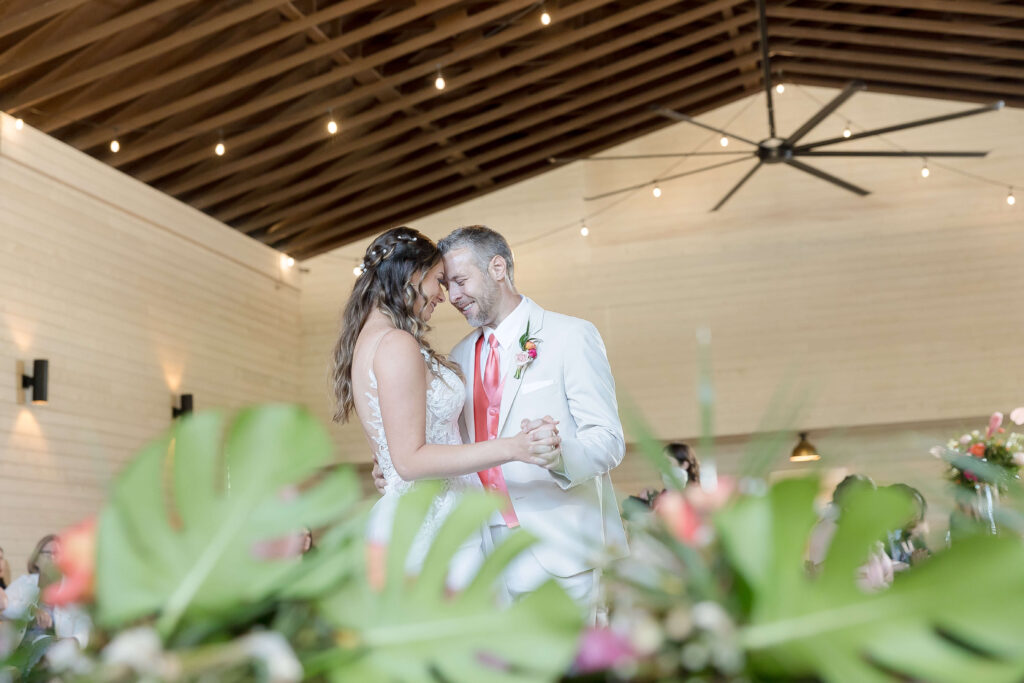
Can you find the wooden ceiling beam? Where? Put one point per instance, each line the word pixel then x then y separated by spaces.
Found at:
pixel 976 7
pixel 740 86
pixel 515 110
pixel 839 82
pixel 831 54
pixel 209 61
pixel 256 76
pixel 41 12
pixel 15 61
pixel 898 42
pixel 985 90
pixel 941 28
pixel 500 88
pixel 312 135
pixel 43 91
pixel 548 135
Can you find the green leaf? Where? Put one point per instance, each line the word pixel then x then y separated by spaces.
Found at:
pixel 177 537
pixel 956 617
pixel 415 631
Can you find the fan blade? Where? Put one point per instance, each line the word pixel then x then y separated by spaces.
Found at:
pixel 810 153
pixel 903 126
pixel 766 65
pixel 849 91
pixel 566 160
pixel 737 186
pixel 825 176
pixel 671 177
pixel 677 116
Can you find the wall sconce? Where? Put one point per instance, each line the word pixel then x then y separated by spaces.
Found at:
pixel 185 409
pixel 37 382
pixel 804 451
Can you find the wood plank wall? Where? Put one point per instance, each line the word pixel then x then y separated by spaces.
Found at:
pixel 134 298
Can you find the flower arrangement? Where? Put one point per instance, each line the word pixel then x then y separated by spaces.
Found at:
pixel 994 447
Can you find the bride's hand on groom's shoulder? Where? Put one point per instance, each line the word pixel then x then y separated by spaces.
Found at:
pixel 539 442
pixel 379 482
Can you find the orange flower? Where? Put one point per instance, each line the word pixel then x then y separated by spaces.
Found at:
pixel 978 450
pixel 76 559
pixel 529 345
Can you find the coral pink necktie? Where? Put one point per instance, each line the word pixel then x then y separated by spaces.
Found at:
pixel 487 409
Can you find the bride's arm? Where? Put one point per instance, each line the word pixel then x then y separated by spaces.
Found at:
pixel 402 389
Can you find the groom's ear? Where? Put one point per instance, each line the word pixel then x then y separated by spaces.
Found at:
pixel 497 268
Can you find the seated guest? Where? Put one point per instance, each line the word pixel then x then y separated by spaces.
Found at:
pixel 907 545
pixel 684 461
pixel 5 571
pixel 821 535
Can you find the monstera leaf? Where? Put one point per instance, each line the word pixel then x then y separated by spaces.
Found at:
pixel 956 617
pixel 180 535
pixel 414 630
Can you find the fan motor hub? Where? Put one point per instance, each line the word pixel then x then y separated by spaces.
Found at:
pixel 774 151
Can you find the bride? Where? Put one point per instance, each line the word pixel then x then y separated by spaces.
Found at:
pixel 408 398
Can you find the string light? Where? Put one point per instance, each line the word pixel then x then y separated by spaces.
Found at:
pixel 1010 199
pixel 219 149
pixel 846 131
pixel 19 124
pixel 924 170
pixel 780 88
pixel 357 271
pixel 115 146
pixel 332 125
pixel 439 82
pixel 724 142
pixel 287 261
pixel 656 191
pixel 584 230
pixel 545 18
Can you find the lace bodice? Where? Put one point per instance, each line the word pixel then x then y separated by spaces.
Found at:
pixel 445 398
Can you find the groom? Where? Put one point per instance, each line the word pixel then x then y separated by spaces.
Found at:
pixel 522 361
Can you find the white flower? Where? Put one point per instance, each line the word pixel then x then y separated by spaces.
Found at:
pixel 937 451
pixel 965 439
pixel 65 655
pixel 1018 459
pixel 276 655
pixel 1017 416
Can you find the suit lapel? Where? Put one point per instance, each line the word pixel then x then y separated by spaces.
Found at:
pixel 512 385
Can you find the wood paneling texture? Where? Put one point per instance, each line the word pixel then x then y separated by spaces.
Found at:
pixel 134 298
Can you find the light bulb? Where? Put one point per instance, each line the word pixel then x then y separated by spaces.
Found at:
pixel 545 18
pixel 584 231
pixel 780 88
pixel 925 172
pixel 115 146
pixel 357 271
pixel 1010 199
pixel 219 149
pixel 656 191
pixel 332 126
pixel 724 142
pixel 847 132
pixel 287 261
pixel 19 124
pixel 439 82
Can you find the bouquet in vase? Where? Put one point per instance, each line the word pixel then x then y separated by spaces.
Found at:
pixel 994 456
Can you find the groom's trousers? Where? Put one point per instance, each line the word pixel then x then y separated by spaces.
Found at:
pixel 525 575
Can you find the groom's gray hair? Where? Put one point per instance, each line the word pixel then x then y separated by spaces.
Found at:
pixel 485 245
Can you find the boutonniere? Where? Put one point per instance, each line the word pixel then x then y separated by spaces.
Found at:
pixel 528 345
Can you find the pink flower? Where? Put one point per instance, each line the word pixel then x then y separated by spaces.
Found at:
pixel 601 649
pixel 969 476
pixel 1018 416
pixel 993 424
pixel 679 516
pixel 532 353
pixel 76 559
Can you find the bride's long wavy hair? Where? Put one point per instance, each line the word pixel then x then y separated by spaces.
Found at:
pixel 391 282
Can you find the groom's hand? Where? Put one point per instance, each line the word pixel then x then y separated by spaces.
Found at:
pixel 543 428
pixel 379 482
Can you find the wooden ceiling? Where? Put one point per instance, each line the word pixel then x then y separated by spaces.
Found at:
pixel 169 79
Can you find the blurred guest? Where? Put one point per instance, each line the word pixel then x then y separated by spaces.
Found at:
pixel 684 462
pixel 907 545
pixel 821 535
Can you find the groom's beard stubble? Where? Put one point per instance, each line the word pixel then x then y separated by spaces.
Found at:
pixel 483 306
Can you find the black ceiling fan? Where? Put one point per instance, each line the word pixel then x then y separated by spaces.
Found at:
pixel 787 150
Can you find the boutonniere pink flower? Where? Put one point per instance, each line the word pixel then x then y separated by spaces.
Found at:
pixel 528 345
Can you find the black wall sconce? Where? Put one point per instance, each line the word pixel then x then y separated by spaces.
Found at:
pixel 37 382
pixel 185 409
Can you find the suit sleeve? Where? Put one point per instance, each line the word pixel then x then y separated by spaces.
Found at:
pixel 598 445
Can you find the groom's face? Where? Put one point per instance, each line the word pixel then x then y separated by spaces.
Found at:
pixel 471 290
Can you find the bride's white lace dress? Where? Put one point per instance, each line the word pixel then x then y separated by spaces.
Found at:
pixel 445 397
